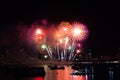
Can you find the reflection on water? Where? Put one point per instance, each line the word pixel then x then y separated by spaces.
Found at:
pixel 101 73
pixel 82 77
pixel 60 74
pixel 111 73
pixel 78 77
pixel 33 78
pixel 65 74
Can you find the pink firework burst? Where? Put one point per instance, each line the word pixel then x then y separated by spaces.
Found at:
pixel 79 31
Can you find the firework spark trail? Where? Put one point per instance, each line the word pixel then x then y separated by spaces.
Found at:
pixel 48 50
pixel 61 55
pixel 59 39
pixel 58 53
pixel 72 50
pixel 65 54
pixel 74 56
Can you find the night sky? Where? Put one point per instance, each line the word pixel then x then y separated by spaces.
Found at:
pixel 101 18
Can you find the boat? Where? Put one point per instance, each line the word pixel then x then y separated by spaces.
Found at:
pixel 76 67
pixel 55 67
pixel 82 72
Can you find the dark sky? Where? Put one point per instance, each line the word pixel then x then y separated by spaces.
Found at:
pixel 102 19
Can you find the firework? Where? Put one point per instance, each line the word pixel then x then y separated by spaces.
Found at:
pixel 62 42
pixel 80 31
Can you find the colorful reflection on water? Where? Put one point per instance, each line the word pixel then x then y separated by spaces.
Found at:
pixel 83 77
pixel 65 74
pixel 61 74
pixel 33 78
pixel 101 73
